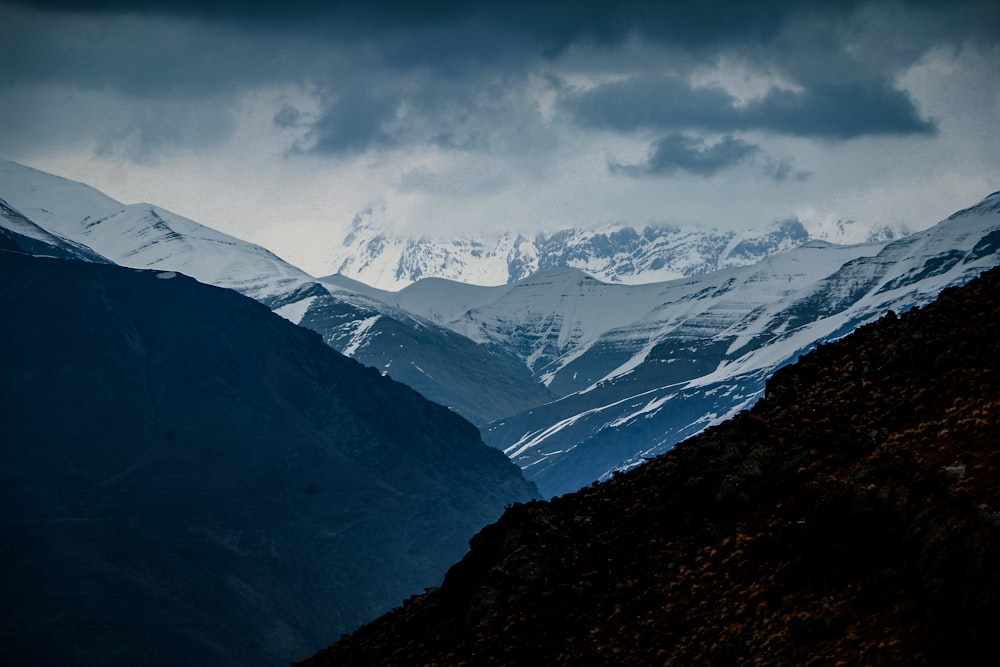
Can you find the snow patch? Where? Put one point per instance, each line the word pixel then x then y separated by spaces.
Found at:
pixel 294 312
pixel 360 335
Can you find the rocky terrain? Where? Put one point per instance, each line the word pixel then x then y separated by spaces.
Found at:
pixel 852 516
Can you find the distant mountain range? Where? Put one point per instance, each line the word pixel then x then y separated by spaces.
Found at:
pixel 615 253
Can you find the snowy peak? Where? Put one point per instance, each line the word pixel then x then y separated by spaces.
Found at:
pixel 51 201
pixel 143 235
pixel 392 262
pixel 614 253
pixel 147 236
pixel 989 204
pixel 19 234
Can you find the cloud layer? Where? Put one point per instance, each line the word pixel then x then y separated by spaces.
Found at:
pixel 425 107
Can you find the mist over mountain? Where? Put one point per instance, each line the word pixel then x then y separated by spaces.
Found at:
pixel 190 479
pixel 849 517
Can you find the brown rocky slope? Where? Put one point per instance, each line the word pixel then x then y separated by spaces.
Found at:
pixel 851 517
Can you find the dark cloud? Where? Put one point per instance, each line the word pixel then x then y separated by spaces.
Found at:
pixel 356 119
pixel 684 153
pixel 830 111
pixel 485 111
pixel 551 24
pixel 454 74
pixel 836 111
pixel 141 57
pixel 783 170
pixel 288 117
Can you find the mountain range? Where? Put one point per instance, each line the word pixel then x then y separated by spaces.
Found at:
pixel 572 376
pixel 850 517
pixel 615 253
pixel 637 368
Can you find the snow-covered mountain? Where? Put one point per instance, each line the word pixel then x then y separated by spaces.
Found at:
pixel 614 253
pixel 147 236
pixel 704 351
pixel 478 382
pixel 578 376
pixel 640 367
pixel 19 234
pixel 558 322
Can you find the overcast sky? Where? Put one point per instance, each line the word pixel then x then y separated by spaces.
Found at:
pixel 280 121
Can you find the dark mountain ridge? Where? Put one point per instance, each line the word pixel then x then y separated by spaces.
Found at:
pixel 187 478
pixel 852 516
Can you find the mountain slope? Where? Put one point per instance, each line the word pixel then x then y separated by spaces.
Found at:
pixel 189 479
pixel 147 236
pixel 477 382
pixel 850 517
pixel 573 330
pixel 706 351
pixel 19 234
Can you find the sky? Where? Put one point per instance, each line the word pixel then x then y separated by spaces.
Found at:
pixel 280 122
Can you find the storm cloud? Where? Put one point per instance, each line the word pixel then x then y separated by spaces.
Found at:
pixel 824 110
pixel 450 74
pixel 483 113
pixel 681 152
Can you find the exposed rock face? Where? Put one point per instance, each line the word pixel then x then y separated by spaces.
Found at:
pixel 851 517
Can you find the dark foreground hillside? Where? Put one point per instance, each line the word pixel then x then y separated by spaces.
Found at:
pixel 188 479
pixel 851 517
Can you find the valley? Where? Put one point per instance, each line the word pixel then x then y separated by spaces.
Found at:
pixel 164 343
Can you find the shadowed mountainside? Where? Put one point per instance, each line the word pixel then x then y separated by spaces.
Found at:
pixel 187 478
pixel 851 517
